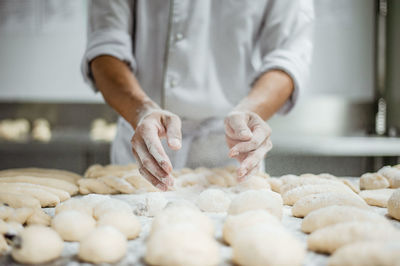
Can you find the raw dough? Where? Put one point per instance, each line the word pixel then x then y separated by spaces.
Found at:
pixel 222 177
pixel 76 204
pixel 371 253
pixel 20 215
pixel 10 227
pixel 118 183
pixel 39 244
pixel 350 185
pixel 373 181
pixel 105 244
pixel 234 224
pixel 275 184
pixel 89 185
pixel 392 174
pixel 111 205
pixel 181 245
pixel 330 238
pixel 45 198
pixel 154 203
pixel 213 200
pixel 316 201
pixel 73 225
pixel 42 172
pixel 253 182
pixel 394 205
pixel 5 212
pixel 338 214
pixel 61 194
pixel 4 248
pixel 292 196
pixel 257 199
pixel 301 181
pixel 140 183
pixel 39 217
pixel 377 197
pixel 266 244
pixel 127 223
pixel 18 200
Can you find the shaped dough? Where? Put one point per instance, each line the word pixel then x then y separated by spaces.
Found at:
pixel 253 182
pixel 213 200
pixel 18 200
pixel 72 189
pixel 330 238
pixel 373 181
pixel 275 184
pixel 73 225
pixel 111 205
pixel 317 201
pixel 89 185
pixel 118 183
pixel 392 174
pixel 127 223
pixel 45 198
pixel 39 244
pixel 61 194
pixel 377 197
pixel 20 215
pixel 155 203
pixel 301 181
pixel 338 214
pixel 42 173
pixel 105 244
pixel 39 217
pixel 394 205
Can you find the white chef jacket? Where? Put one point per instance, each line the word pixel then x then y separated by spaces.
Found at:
pixel 199 58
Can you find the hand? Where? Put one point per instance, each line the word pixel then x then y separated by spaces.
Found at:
pixel 248 137
pixel 154 163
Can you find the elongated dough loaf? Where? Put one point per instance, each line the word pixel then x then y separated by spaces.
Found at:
pixel 338 214
pixel 18 200
pixel 290 197
pixel 373 181
pixel 330 238
pixel 316 201
pixel 372 253
pixel 394 205
pixel 301 181
pixel 392 174
pixel 91 185
pixel 118 183
pixel 377 197
pixel 45 198
pixel 42 172
pixel 50 182
pixel 61 194
pixel 20 215
pixel 39 217
pixel 140 183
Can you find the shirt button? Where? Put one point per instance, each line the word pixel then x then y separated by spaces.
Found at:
pixel 179 36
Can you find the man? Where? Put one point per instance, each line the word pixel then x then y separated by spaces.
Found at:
pixel 192 72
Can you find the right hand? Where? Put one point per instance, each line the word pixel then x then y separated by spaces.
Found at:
pixel 154 163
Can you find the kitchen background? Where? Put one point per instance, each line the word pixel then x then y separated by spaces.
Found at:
pixel 347 121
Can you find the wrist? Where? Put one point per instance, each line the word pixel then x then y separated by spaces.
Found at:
pixel 143 108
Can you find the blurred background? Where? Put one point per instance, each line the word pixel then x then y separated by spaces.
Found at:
pixel 347 121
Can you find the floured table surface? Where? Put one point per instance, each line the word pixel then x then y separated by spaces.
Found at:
pixel 136 247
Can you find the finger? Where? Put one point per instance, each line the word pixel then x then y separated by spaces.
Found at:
pixel 153 180
pixel 252 172
pixel 174 135
pixel 238 123
pixel 260 134
pixel 253 159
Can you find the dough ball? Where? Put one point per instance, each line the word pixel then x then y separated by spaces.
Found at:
pixel 73 225
pixel 392 174
pixel 266 244
pixel 339 214
pixel 275 184
pixel 255 200
pixel 10 227
pixel 111 205
pixel 20 215
pixel 105 244
pixel 75 204
pixel 394 205
pixel 213 200
pixel 126 223
pixel 38 244
pixel 254 182
pixel 39 217
pixel 177 215
pixel 377 197
pixel 234 224
pixel 155 202
pixel 186 247
pixel 373 181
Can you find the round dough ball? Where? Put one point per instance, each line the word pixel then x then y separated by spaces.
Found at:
pixel 109 206
pixel 393 205
pixel 257 200
pixel 39 244
pixel 73 225
pixel 213 200
pixel 126 223
pixel 155 202
pixel 105 244
pixel 253 182
pixel 181 245
pixel 235 223
pixel 373 181
pixel 75 204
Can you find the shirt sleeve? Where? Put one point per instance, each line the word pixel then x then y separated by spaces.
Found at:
pixel 109 33
pixel 286 43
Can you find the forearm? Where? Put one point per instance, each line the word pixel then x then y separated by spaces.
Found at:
pixel 268 95
pixel 120 88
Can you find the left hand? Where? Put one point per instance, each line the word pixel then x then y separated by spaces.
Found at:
pixel 248 137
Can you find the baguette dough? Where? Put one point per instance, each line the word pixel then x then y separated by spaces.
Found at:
pixel 301 181
pixel 39 244
pixel 50 182
pixel 41 172
pixel 394 205
pixel 373 181
pixel 39 217
pixel 371 253
pixel 292 196
pixel 266 244
pixel 45 198
pixel 18 200
pixel 140 183
pixel 330 238
pixel 118 183
pixel 61 194
pixel 213 200
pixel 257 199
pixel 234 224
pixel 392 174
pixel 127 223
pixel 105 244
pixel 88 185
pixel 73 225
pixel 20 215
pixel 316 201
pixel 377 197
pixel 339 214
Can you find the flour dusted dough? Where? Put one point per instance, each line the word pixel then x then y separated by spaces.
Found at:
pixel 39 244
pixel 316 201
pixel 394 205
pixel 73 225
pixel 377 197
pixel 20 215
pixel 292 196
pixel 253 182
pixel 105 244
pixel 88 185
pixel 382 253
pixel 257 199
pixel 266 244
pixel 111 205
pixel 186 247
pixel 118 183
pixel 154 203
pixel 18 200
pixel 275 184
pixel 234 224
pixel 61 194
pixel 140 183
pixel 330 238
pixel 39 217
pixel 45 198
pixel 301 181
pixel 338 214
pixel 373 181
pixel 213 200
pixel 127 223
pixel 75 204
pixel 42 172
pixel 392 174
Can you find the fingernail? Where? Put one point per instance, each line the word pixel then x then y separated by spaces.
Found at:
pixel 175 143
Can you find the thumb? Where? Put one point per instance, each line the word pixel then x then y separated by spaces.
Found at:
pixel 238 123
